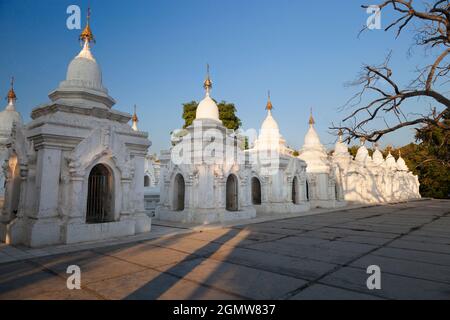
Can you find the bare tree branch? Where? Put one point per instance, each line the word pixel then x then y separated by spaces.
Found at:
pixel 387 96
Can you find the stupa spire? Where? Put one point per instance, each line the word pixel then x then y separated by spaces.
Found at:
pixel 207 84
pixel 11 97
pixel 340 134
pixel 269 105
pixel 86 35
pixel 311 119
pixel 362 141
pixel 135 120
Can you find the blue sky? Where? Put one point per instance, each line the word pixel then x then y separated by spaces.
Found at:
pixel 153 54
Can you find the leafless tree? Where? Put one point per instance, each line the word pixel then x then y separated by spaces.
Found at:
pixel 431 28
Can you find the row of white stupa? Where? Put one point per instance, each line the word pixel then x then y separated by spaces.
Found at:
pixel 271 180
pixel 76 171
pixel 363 179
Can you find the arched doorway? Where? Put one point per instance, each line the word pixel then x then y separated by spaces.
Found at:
pixel 256 191
pixel 294 190
pixel 146 181
pixel 178 193
pixel 307 189
pixel 232 193
pixel 100 195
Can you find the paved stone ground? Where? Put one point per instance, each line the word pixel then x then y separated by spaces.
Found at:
pixel 323 256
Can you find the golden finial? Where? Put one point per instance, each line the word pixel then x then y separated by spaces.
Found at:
pixel 399 153
pixel 389 148
pixel 269 103
pixel 134 118
pixel 311 119
pixel 362 140
pixel 208 83
pixel 340 132
pixel 11 94
pixel 87 35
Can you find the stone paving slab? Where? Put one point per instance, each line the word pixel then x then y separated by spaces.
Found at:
pixel 244 281
pixel 414 255
pixel 320 256
pixel 392 286
pixel 413 269
pixel 152 285
pixel 277 263
pixel 323 292
pixel 94 266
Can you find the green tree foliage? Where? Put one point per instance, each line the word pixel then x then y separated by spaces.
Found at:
pixel 227 113
pixel 430 159
pixel 189 110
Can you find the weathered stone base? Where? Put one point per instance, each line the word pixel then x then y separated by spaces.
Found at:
pixel 281 208
pixel 205 216
pixel 98 231
pixel 30 232
pixel 327 204
pixel 46 232
pixel 143 223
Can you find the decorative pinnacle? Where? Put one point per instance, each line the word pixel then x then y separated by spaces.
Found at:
pixel 134 118
pixel 87 35
pixel 11 97
pixel 311 119
pixel 269 103
pixel 362 140
pixel 208 83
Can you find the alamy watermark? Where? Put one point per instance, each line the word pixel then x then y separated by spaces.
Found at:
pixel 74 280
pixel 374 280
pixel 374 20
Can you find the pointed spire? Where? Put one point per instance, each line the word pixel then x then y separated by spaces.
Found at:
pixel 269 103
pixel 208 83
pixel 135 120
pixel 340 134
pixel 362 141
pixel 389 148
pixel 11 97
pixel 86 35
pixel 399 153
pixel 311 119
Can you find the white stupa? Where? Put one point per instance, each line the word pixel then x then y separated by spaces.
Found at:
pixel 341 149
pixel 83 85
pixel 205 176
pixel 362 155
pixel 207 108
pixel 390 161
pixel 8 118
pixel 377 157
pixel 321 180
pixel 401 165
pixel 270 137
pixel 75 171
pixel 313 152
